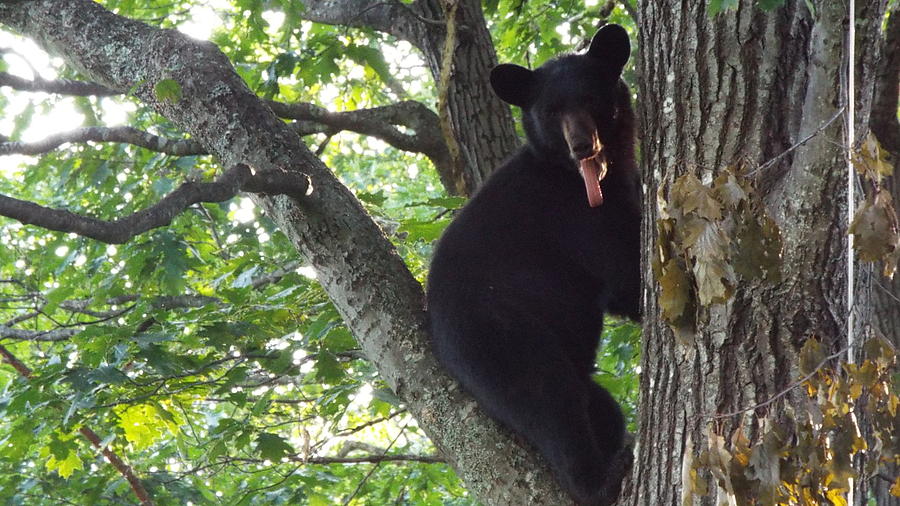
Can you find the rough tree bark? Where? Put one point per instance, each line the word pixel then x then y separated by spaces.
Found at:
pixel 738 90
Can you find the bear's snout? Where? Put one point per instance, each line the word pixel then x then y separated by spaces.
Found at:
pixel 580 133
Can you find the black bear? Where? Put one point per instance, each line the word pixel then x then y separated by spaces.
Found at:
pixel 521 279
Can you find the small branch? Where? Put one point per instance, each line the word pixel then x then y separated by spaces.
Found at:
pixel 239 177
pixel 376 456
pixel 124 469
pixel 375 459
pixel 161 302
pixel 37 335
pixel 631 10
pixel 181 147
pixel 276 275
pixel 444 116
pixel 58 86
pixel 17 364
pixel 817 131
pixel 780 394
pixel 377 122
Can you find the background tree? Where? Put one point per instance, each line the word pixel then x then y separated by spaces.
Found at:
pixel 745 121
pixel 214 366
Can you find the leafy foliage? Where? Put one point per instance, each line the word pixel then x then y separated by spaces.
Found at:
pixel 806 457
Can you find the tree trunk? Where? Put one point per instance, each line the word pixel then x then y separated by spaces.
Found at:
pixel 737 90
pixel 886 292
pixel 480 124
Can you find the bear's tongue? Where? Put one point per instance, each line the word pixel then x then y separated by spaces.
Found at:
pixel 593 170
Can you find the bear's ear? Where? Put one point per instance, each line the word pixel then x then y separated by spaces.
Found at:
pixel 611 44
pixel 514 84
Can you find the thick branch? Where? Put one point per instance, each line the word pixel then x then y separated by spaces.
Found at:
pixel 239 177
pixel 379 123
pixel 59 86
pixel 389 16
pixel 181 147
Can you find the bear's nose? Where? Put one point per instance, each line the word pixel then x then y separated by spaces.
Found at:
pixel 582 148
pixel 580 133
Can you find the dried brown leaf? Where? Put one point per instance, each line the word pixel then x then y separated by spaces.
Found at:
pixel 875 231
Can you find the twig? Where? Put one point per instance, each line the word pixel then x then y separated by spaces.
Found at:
pixel 782 393
pixel 806 139
pixel 369 474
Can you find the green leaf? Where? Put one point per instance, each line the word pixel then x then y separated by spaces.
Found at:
pixel 328 369
pixel 167 90
pixel 423 230
pixel 387 395
pixel 57 296
pixel 107 375
pixel 272 446
pixel 66 466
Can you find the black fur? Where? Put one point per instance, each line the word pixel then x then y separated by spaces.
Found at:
pixel 521 279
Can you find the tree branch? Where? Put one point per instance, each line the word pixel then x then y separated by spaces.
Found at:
pixel 374 459
pixel 377 122
pixel 239 177
pixel 390 16
pixel 59 86
pixel 36 335
pixel 184 147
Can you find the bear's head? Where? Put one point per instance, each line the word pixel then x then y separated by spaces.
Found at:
pixel 569 104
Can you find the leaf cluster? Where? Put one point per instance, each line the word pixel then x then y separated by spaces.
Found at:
pixel 807 454
pixel 709 237
pixel 875 226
